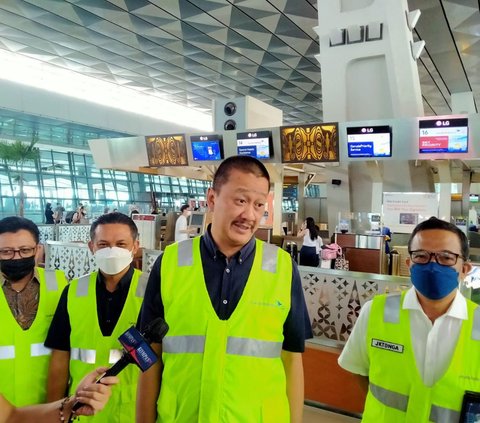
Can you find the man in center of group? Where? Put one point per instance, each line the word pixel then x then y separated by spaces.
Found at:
pixel 236 313
pixel 93 312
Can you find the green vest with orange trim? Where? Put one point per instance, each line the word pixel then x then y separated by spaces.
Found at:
pixel 224 370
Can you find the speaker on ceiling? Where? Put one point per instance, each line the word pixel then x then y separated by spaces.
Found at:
pixel 336 181
pixel 229 114
pixel 244 113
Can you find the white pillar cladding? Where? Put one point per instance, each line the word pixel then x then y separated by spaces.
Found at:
pixel 442 168
pixel 463 103
pixel 369 72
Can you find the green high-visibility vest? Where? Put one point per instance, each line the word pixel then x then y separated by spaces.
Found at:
pixel 89 349
pixel 24 360
pixel 396 390
pixel 224 370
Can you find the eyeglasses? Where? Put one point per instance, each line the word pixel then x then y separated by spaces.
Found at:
pixel 24 252
pixel 445 258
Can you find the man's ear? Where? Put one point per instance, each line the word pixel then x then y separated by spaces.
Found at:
pixel 136 245
pixel 211 199
pixel 466 268
pixel 90 246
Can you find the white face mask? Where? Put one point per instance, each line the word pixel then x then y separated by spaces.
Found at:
pixel 113 260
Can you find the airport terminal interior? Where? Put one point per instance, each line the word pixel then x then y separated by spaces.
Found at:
pixel 130 106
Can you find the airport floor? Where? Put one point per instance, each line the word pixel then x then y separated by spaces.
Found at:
pixel 317 415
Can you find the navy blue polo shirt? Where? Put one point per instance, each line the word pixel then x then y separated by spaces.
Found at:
pixel 225 281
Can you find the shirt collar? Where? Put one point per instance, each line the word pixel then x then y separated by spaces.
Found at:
pixel 214 252
pixel 458 308
pixel 123 283
pixel 36 277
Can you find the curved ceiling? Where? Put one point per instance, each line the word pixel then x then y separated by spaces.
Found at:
pixel 191 52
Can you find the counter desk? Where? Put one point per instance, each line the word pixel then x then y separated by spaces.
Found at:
pixel 334 299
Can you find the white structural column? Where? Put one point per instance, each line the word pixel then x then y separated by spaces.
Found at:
pixel 463 103
pixel 445 192
pixel 367 57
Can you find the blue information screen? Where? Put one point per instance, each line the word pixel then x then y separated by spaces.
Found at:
pixel 254 144
pixel 207 147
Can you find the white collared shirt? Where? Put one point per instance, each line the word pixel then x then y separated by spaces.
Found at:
pixel 433 343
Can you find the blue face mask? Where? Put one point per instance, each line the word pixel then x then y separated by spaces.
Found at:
pixel 433 280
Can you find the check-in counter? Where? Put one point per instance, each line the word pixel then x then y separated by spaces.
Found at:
pixel 334 299
pixel 365 253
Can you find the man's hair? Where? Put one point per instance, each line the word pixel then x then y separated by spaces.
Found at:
pixel 434 223
pixel 244 164
pixel 184 207
pixel 112 218
pixel 14 224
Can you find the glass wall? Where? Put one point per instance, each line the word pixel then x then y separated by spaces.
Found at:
pixel 71 178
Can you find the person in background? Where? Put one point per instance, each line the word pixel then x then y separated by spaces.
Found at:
pixel 236 312
pixel 387 236
pixel 418 352
pixel 94 311
pixel 49 214
pixel 182 231
pixel 28 299
pixel 58 214
pixel 106 210
pixel 309 253
pixel 79 214
pixel 93 395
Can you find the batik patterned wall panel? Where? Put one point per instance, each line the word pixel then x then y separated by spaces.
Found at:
pixel 75 259
pixel 334 298
pixel 166 150
pixel 73 233
pixel 309 143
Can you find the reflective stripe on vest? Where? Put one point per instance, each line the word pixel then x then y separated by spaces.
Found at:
pixel 82 286
pixel 185 253
pixel 391 313
pixel 389 398
pixel 183 344
pixel 82 354
pixel 51 280
pixel 476 325
pixel 235 346
pixel 443 415
pixel 38 350
pixel 7 352
pixel 253 347
pixel 269 258
pixel 114 356
pixel 142 284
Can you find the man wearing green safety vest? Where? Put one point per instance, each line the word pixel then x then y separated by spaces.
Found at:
pixel 236 313
pixel 28 299
pixel 93 312
pixel 419 351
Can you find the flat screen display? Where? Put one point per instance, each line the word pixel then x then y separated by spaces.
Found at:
pixel 309 143
pixel 256 144
pixel 196 219
pixel 166 150
pixel 443 135
pixel 207 147
pixel 369 141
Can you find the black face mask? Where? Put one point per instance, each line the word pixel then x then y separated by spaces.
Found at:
pixel 14 270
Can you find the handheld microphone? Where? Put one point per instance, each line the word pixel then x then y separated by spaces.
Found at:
pixel 136 349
